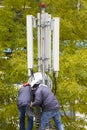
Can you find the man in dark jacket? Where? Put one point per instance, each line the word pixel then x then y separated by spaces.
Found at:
pixel 24 98
pixel 46 99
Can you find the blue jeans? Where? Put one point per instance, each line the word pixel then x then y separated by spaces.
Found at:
pixel 22 111
pixel 47 116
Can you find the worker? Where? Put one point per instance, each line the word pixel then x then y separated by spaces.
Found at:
pixel 24 99
pixel 47 101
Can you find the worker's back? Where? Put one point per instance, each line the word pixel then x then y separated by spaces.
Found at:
pixel 47 98
pixel 24 96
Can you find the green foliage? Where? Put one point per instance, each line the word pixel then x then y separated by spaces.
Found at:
pixel 72 87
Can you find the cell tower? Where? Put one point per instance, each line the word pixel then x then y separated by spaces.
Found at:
pixel 48 43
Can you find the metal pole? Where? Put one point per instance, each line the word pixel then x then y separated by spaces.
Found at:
pixel 39 42
pixel 78 5
pixel 43 42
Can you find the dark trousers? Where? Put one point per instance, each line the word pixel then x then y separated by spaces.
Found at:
pixel 22 111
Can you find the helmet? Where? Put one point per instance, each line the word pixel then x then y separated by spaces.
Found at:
pixel 36 79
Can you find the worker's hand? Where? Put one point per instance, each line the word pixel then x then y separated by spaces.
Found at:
pixel 31 104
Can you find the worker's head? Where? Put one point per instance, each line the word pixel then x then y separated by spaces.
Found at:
pixel 36 80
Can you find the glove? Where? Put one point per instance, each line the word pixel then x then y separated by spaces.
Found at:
pixel 30 104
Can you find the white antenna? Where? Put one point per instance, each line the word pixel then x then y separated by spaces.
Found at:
pixel 55 44
pixel 30 43
pixel 48 42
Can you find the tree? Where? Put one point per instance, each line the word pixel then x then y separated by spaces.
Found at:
pixel 72 87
